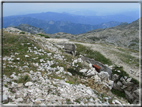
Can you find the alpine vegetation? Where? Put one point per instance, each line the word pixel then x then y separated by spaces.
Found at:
pixel 42 71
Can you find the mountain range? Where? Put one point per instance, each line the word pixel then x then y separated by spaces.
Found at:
pixel 52 22
pixel 55 26
pixel 82 19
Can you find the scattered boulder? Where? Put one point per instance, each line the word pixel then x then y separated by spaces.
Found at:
pixel 28 84
pixel 104 76
pixel 37 101
pixel 68 47
pixel 19 100
pixel 102 66
pixel 114 77
pixel 129 96
pixel 5 98
pixel 97 79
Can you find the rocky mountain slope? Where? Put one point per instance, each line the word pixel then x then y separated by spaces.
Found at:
pixel 30 29
pixel 125 35
pixel 56 26
pixel 41 71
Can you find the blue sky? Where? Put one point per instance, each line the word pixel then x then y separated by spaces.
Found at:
pixel 98 8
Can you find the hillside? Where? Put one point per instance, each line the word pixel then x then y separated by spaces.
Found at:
pixel 30 29
pixel 52 27
pixel 45 71
pixel 125 35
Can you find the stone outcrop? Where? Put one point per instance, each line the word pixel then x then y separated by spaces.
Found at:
pixel 130 89
pixel 103 67
pixel 68 47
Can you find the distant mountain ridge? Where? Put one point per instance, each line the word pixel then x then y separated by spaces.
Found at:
pixel 55 26
pixel 92 20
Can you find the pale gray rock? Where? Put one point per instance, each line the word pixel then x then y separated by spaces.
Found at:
pixel 83 70
pixel 20 85
pixel 110 83
pixel 128 83
pixel 123 87
pixel 69 73
pixel 114 77
pixel 14 85
pixel 129 96
pixel 5 98
pixel 97 79
pixel 116 102
pixel 37 101
pixel 115 86
pixel 129 79
pixel 91 72
pixel 19 100
pixel 28 84
pixel 136 94
pixel 89 92
pixel 68 47
pixel 119 84
pixel 104 76
pixel 14 77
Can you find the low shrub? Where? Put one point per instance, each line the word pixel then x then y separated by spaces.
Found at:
pixel 24 79
pixel 22 32
pixel 74 71
pixel 122 73
pixel 46 36
pixel 70 82
pixel 118 93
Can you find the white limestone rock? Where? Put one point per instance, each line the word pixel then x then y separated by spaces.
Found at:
pixel 19 100
pixel 5 98
pixel 129 79
pixel 91 72
pixel 97 79
pixel 28 84
pixel 89 92
pixel 110 83
pixel 26 56
pixel 83 70
pixel 104 76
pixel 116 102
pixel 14 77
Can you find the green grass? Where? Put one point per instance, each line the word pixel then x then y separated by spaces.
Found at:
pixel 18 43
pixel 121 74
pixel 125 57
pixel 82 50
pixel 68 101
pixel 77 100
pixel 118 93
pixel 24 79
pixel 46 36
pixel 74 71
pixel 22 32
pixel 70 82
